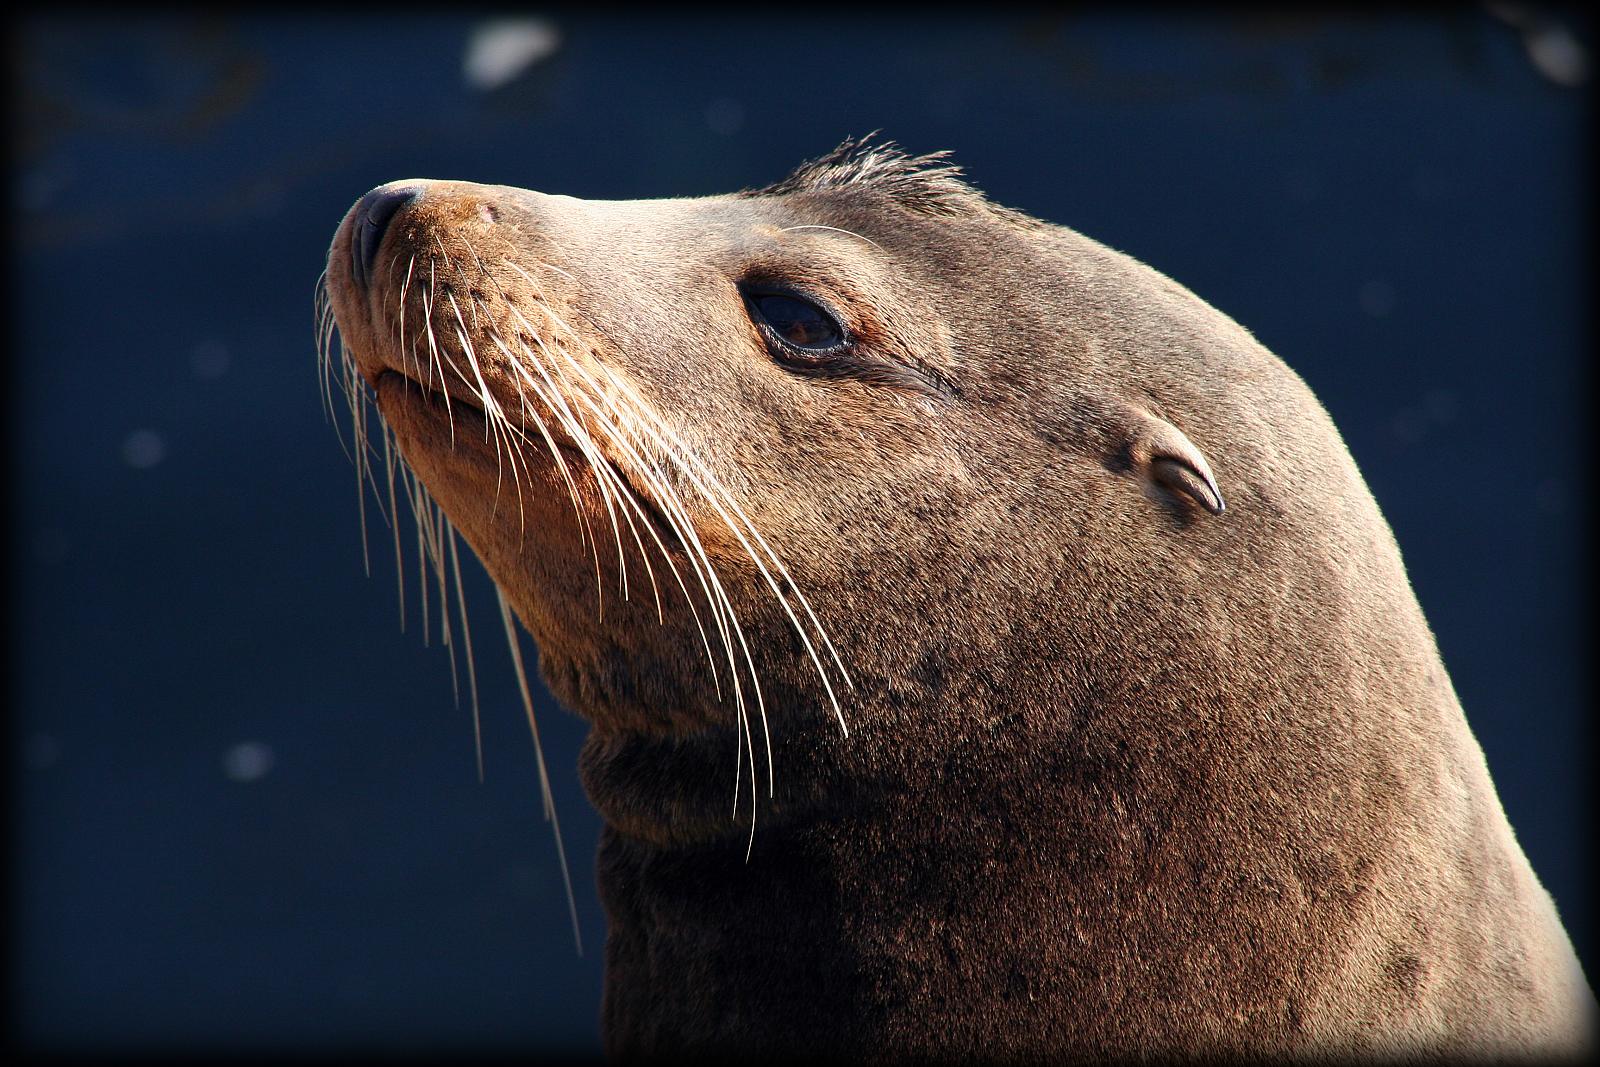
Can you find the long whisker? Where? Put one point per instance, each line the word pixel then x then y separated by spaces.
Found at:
pixel 358 432
pixel 641 466
pixel 544 774
pixel 389 454
pixel 717 496
pixel 409 356
pixel 436 555
pixel 724 613
pixel 428 298
pixel 554 399
pixel 326 325
pixel 737 630
pixel 417 497
pixel 595 390
pixel 466 639
pixel 607 497
pixel 602 470
pixel 488 403
pixel 835 229
pixel 544 432
pixel 670 509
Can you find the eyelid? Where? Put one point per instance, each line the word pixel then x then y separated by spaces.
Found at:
pixel 764 286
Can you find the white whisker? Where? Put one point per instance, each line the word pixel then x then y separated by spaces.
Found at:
pixel 643 471
pixel 835 229
pixel 538 749
pixel 466 640
pixel 394 508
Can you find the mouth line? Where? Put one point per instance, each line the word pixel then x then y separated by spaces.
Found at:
pixel 430 395
pixel 440 399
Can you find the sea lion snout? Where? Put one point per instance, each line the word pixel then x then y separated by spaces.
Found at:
pixel 370 220
pixel 375 283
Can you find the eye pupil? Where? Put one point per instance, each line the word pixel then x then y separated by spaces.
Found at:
pixel 798 322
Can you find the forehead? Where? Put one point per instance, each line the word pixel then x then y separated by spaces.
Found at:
pixel 710 221
pixel 732 234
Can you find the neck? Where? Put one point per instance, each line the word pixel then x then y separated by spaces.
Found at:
pixel 818 942
pixel 885 919
pixel 1010 898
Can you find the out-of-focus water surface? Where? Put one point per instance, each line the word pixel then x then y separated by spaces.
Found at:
pixel 247 813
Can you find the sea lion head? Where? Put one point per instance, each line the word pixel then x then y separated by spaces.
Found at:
pixel 839 481
pixel 909 510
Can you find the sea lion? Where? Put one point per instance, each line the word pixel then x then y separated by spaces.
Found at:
pixel 991 650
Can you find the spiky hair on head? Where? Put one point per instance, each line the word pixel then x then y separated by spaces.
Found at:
pixel 925 183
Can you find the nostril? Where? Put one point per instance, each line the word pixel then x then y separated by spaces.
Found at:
pixel 373 214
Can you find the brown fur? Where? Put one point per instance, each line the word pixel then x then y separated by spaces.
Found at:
pixel 1128 773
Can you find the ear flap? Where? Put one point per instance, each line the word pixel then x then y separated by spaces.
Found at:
pixel 1163 455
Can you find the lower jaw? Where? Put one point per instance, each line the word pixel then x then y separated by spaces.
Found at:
pixel 400 397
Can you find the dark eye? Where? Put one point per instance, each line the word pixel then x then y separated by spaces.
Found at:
pixel 796 321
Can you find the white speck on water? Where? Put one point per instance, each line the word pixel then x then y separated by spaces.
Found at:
pixel 143 449
pixel 1551 47
pixel 500 50
pixel 210 359
pixel 725 116
pixel 1377 298
pixel 248 761
pixel 1557 54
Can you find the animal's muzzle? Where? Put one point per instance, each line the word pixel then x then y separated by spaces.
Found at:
pixel 374 213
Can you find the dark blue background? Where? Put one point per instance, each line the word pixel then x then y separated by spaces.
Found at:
pixel 1396 205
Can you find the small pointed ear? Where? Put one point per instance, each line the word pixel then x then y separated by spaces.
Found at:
pixel 1163 455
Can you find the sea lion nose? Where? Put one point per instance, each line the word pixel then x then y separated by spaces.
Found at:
pixel 373 214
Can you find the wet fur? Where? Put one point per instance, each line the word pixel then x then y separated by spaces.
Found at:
pixel 1123 776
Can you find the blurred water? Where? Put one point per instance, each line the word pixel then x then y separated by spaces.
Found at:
pixel 248 814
